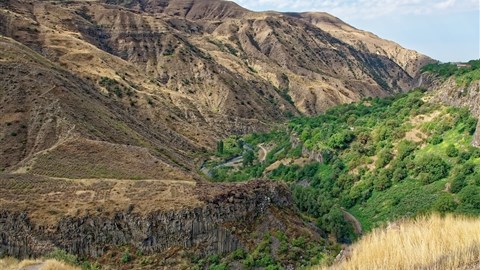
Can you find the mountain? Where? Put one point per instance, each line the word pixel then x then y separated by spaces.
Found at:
pixel 181 74
pixel 109 107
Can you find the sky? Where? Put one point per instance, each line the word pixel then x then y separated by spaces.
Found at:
pixel 446 30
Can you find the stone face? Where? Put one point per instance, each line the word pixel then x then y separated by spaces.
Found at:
pixel 206 230
pixel 476 136
pixel 448 92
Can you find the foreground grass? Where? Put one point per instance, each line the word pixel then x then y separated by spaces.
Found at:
pixel 434 242
pixel 14 264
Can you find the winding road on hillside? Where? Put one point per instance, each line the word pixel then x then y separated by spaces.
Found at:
pixel 357 226
pixel 263 153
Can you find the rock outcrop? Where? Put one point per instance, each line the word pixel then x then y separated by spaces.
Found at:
pixel 212 228
pixel 450 93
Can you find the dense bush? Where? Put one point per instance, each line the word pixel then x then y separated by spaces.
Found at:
pixel 431 168
pixel 451 150
pixel 445 203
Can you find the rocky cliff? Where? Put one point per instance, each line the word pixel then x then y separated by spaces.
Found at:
pixel 449 92
pixel 215 220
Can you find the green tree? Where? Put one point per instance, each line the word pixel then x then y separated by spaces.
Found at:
pixel 445 203
pixel 248 158
pixel 431 168
pixel 341 139
pixel 220 147
pixel 451 150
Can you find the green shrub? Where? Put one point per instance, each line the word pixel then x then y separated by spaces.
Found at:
pixel 445 203
pixel 249 262
pixel 248 158
pixel 465 155
pixel 62 255
pixel 471 195
pixel 341 139
pixel 435 139
pixel 451 150
pixel 264 260
pixel 383 180
pixel 458 183
pixel 384 157
pixel 239 254
pixel 431 168
pixel 126 257
pixel 405 148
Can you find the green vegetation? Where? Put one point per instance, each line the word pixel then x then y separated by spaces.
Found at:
pixel 273 251
pixel 379 159
pixel 114 87
pixel 464 74
pixel 126 257
pixel 63 256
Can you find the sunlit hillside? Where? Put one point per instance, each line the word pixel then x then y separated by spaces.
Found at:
pixel 433 242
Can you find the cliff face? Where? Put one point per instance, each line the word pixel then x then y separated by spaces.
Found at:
pixel 215 226
pixel 450 93
pixel 408 60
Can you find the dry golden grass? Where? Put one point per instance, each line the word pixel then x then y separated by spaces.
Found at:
pixel 433 242
pixel 14 264
pixel 56 265
pixel 49 199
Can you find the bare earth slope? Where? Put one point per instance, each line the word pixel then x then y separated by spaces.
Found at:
pixel 185 72
pixel 47 111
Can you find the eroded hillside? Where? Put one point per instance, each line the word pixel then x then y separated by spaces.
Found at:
pixel 186 72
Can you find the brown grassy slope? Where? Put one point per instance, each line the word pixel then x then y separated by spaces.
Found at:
pixel 171 76
pixel 46 200
pixel 230 65
pixel 44 106
pixel 435 242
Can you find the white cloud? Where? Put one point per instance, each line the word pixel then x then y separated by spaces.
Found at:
pixel 349 9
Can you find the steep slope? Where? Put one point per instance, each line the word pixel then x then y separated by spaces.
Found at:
pixel 410 61
pixel 200 69
pixel 217 53
pixel 46 110
pixel 317 69
pixel 379 159
pixel 449 92
pixel 93 92
pixel 456 86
